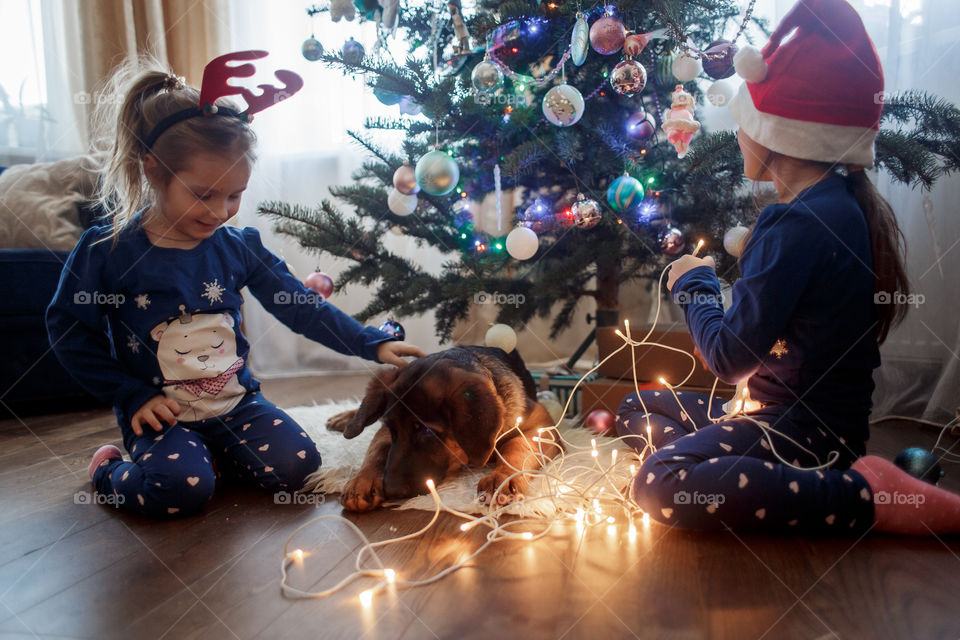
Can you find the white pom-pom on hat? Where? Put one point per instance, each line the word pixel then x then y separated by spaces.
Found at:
pixel 749 64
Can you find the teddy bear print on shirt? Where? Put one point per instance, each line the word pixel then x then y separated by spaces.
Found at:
pixel 197 354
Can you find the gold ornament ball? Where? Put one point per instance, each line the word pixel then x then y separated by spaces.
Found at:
pixel 405 180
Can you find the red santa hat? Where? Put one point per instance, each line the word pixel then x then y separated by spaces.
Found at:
pixel 818 95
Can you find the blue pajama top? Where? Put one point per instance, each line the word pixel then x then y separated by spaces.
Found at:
pixel 134 320
pixel 802 326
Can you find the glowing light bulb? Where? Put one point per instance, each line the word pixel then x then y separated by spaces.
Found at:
pixel 465 526
pixel 526 535
pixel 610 520
pixel 632 533
pixel 390 575
pixel 646 520
pixel 613 457
pixel 662 380
pixel 366 598
pixel 430 484
pixel 633 470
pixel 296 555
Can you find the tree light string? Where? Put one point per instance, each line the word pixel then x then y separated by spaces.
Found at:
pixel 584 487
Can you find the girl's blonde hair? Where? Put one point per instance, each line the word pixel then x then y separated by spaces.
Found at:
pixel 138 95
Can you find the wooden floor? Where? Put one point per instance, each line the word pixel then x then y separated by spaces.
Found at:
pixel 85 571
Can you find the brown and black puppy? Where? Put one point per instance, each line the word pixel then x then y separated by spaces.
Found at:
pixel 440 413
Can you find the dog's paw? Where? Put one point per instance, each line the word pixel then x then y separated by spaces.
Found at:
pixel 512 491
pixel 363 493
pixel 339 422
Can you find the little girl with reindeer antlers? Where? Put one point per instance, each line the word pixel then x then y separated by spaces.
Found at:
pixel 787 454
pixel 147 311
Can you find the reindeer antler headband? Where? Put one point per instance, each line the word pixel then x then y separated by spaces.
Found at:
pixel 215 76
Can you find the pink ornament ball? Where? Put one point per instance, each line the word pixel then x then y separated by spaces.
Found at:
pixel 319 282
pixel 607 35
pixel 601 422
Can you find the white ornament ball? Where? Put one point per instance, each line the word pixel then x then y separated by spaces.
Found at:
pixel 685 68
pixel 749 64
pixel 719 93
pixel 734 240
pixel 400 204
pixel 563 105
pixel 522 243
pixel 501 336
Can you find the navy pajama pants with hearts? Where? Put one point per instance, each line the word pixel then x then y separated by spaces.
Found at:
pixel 172 470
pixel 707 475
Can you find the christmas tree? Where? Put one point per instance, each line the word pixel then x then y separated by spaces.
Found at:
pixel 487 84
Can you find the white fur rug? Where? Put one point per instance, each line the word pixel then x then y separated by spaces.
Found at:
pixel 577 470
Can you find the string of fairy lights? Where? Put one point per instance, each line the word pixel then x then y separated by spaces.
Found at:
pixel 587 486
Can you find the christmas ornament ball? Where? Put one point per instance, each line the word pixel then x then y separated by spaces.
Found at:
pixel 641 126
pixel 319 282
pixel 586 212
pixel 607 35
pixel 719 93
pixel 685 68
pixel 400 203
pixel 628 77
pixel 353 52
pixel 672 242
pixel 501 336
pixel 718 61
pixel 311 49
pixel 405 180
pixel 579 41
pixel 624 193
pixel 920 463
pixel 522 243
pixel 664 70
pixel 387 97
pixel 734 240
pixel 437 173
pixel 394 328
pixel 601 422
pixel 563 105
pixel 486 77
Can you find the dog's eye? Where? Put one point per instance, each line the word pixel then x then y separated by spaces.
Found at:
pixel 424 430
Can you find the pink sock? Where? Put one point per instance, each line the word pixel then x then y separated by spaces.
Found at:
pixel 904 504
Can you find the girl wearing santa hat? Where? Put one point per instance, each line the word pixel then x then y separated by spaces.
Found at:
pixel 823 282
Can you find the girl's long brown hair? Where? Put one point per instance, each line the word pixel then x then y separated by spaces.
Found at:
pixel 887 245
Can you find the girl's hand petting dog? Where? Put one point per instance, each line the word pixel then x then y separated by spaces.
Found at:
pixel 392 352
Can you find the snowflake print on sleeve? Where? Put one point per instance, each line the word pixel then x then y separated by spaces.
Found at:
pixel 213 291
pixel 142 300
pixel 133 343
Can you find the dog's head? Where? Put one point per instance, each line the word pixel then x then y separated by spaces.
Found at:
pixel 441 415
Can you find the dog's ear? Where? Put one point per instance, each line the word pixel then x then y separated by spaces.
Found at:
pixel 475 413
pixel 374 403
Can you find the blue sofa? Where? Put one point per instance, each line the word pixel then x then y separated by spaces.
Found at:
pixel 31 378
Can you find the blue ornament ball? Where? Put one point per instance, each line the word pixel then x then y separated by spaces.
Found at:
pixel 312 49
pixel 624 193
pixel 920 463
pixel 353 52
pixel 641 126
pixel 437 173
pixel 394 328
